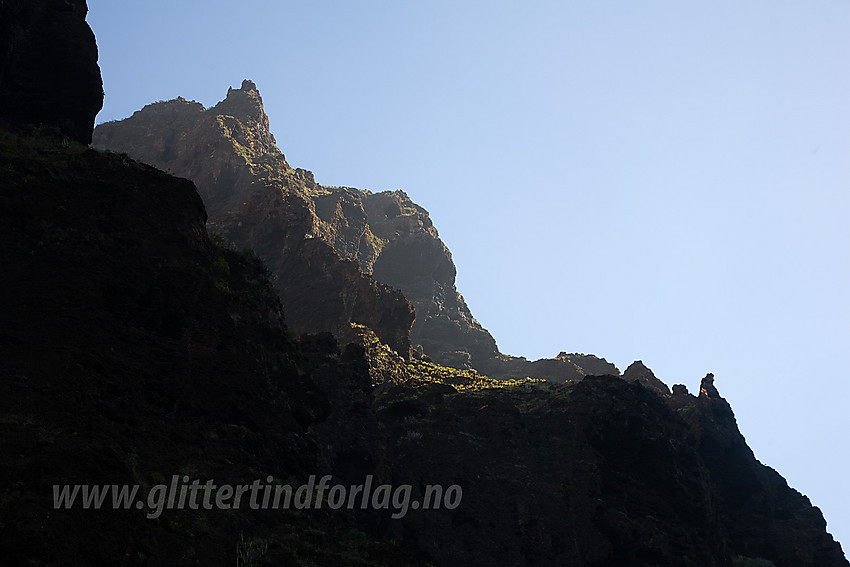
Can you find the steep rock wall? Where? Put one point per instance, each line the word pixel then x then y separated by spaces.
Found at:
pixel 48 66
pixel 257 201
pixel 229 152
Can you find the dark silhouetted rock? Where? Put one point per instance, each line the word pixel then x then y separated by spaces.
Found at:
pixel 706 387
pixel 132 347
pixel 597 472
pixel 765 518
pixel 48 66
pixel 637 372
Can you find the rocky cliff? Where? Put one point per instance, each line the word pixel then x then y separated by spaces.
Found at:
pixel 135 349
pixel 48 66
pixel 230 153
pixel 604 471
pixel 257 201
pixel 753 500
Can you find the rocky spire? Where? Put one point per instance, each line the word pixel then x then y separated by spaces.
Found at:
pixel 246 105
pixel 707 389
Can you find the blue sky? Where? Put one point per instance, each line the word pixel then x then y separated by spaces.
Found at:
pixel 666 181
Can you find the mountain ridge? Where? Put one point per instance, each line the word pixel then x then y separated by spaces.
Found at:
pixel 389 236
pixel 257 201
pixel 136 347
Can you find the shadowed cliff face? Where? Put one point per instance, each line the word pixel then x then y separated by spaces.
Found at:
pixel 132 348
pixel 637 372
pixel 604 471
pixel 230 154
pixel 754 501
pixel 48 66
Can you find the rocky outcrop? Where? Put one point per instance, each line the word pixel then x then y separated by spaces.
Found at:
pixel 765 517
pixel 561 368
pixel 226 151
pixel 229 152
pixel 48 66
pixel 598 472
pixel 320 291
pixel 413 259
pixel 638 372
pixel 256 201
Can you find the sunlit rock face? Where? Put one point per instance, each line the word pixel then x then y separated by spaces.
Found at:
pixel 245 182
pixel 48 66
pixel 257 200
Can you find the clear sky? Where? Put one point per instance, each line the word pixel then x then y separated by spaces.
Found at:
pixel 663 180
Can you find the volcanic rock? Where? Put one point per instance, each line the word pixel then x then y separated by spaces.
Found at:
pixel 638 372
pixel 758 507
pixel 256 200
pixel 48 66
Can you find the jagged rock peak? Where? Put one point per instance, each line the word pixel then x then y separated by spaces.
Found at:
pixel 247 85
pixel 246 104
pixel 638 372
pixel 706 387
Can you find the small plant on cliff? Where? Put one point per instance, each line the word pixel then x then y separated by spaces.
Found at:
pixel 221 266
